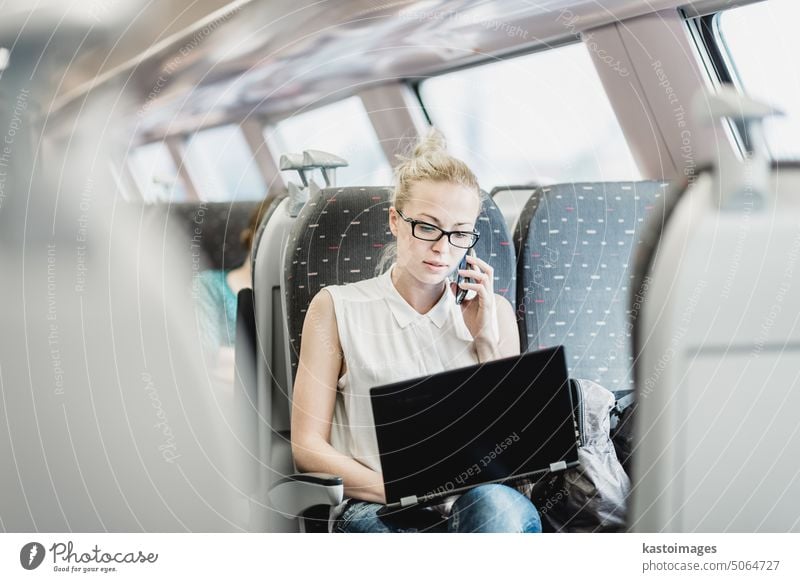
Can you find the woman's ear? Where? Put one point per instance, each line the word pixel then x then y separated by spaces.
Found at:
pixel 393 217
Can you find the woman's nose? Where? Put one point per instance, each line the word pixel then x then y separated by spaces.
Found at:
pixel 442 245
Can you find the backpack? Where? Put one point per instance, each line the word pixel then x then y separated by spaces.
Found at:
pixel 591 497
pixel 622 429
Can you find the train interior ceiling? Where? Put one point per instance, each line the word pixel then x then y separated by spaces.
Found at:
pixel 140 138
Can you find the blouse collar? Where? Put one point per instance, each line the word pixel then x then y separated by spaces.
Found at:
pixel 405 314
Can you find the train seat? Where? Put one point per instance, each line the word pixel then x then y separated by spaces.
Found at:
pixel 260 355
pixel 575 244
pixel 120 429
pixel 712 453
pixel 337 239
pixel 261 369
pixel 717 346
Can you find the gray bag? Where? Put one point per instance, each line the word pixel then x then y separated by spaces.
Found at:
pixel 591 497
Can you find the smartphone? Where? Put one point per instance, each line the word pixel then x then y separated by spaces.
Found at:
pixel 461 294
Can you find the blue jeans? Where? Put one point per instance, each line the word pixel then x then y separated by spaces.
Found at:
pixel 486 508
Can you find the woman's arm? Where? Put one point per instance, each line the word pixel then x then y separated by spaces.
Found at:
pixel 313 405
pixel 508 344
pixel 509 329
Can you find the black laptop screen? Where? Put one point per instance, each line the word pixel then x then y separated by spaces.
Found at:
pixel 474 425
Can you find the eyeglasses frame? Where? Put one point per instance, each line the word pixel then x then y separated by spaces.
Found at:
pixel 413 222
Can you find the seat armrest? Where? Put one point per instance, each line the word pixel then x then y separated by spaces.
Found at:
pixel 294 494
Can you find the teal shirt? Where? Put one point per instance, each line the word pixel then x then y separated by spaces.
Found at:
pixel 216 309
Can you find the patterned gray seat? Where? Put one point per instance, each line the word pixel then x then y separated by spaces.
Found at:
pixel 338 238
pixel 575 244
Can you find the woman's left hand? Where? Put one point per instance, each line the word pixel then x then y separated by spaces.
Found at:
pixel 480 314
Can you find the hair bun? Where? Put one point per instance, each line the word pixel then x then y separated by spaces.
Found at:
pixel 432 143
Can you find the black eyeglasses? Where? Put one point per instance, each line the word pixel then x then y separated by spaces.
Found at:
pixel 425 231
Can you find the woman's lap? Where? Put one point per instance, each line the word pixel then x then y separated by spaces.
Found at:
pixel 494 509
pixel 487 508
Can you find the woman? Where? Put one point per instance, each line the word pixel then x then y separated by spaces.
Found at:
pixel 217 298
pixel 402 324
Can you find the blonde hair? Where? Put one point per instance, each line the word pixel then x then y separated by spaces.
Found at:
pixel 428 161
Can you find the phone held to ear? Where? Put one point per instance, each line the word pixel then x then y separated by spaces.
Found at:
pixel 461 294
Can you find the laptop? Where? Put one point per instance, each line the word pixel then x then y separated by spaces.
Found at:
pixel 499 421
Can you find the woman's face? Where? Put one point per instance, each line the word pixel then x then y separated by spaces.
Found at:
pixel 448 206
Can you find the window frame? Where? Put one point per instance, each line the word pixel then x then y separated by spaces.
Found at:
pixel 720 70
pixel 704 28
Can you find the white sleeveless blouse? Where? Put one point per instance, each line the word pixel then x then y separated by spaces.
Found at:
pixel 385 340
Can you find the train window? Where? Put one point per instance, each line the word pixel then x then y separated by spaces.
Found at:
pixel 156 174
pixel 222 166
pixel 342 128
pixel 543 117
pixel 760 40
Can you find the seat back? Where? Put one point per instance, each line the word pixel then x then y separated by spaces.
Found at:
pixel 271 386
pixel 575 244
pixel 338 238
pixel 262 225
pixel 717 345
pixel 111 422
